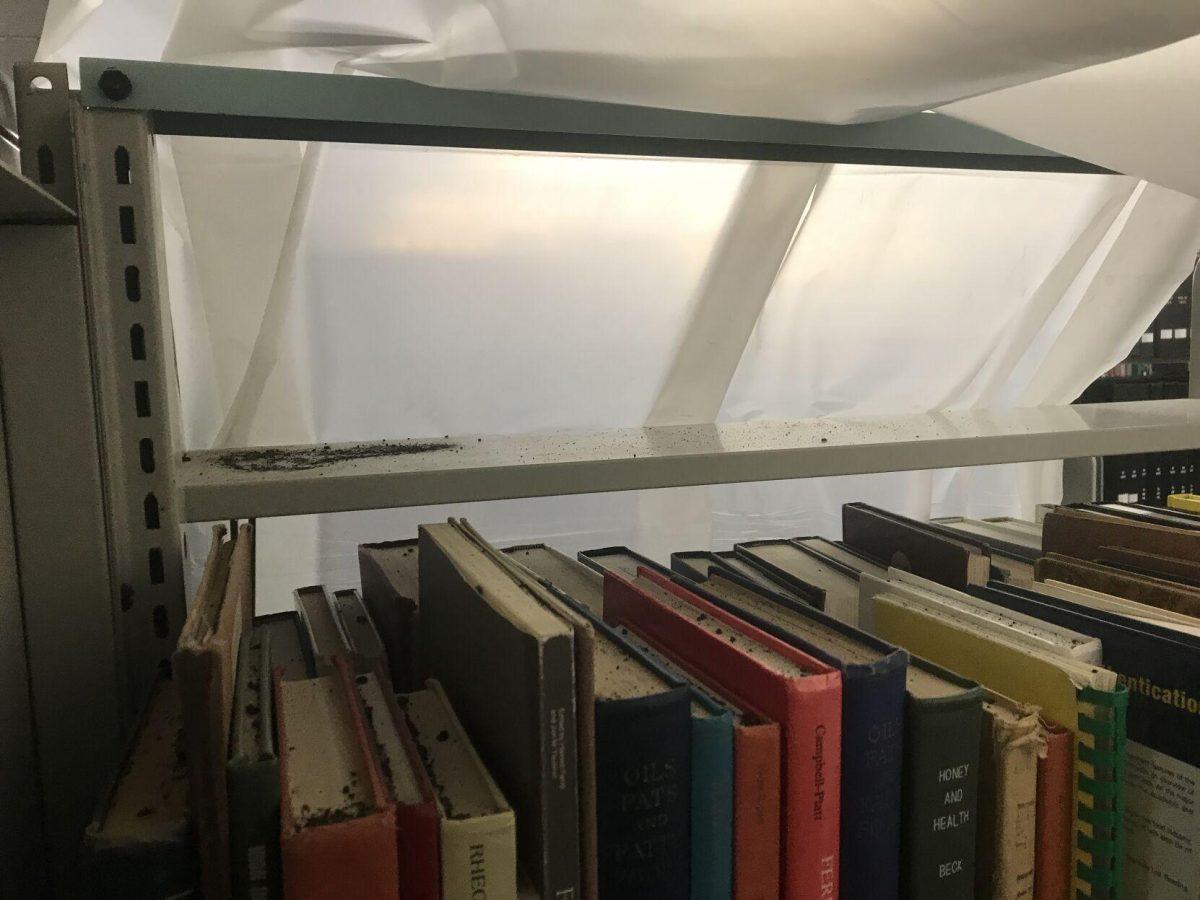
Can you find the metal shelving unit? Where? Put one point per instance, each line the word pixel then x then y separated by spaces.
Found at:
pixel 98 482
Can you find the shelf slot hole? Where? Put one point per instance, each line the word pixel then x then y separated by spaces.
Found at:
pixel 121 164
pixel 141 398
pixel 133 284
pixel 128 234
pixel 126 597
pixel 146 451
pixel 155 560
pixel 137 342
pixel 150 510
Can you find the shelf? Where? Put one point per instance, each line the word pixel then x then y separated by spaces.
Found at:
pixel 23 202
pixel 223 101
pixel 222 484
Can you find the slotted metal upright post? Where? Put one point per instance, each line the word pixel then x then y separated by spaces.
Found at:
pixel 133 358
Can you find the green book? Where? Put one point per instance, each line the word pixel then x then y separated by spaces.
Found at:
pixel 252 771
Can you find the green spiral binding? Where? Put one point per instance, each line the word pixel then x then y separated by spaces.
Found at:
pixel 1106 788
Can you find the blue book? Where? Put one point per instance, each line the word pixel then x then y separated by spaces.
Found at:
pixel 711 852
pixel 873 712
pixel 1160 666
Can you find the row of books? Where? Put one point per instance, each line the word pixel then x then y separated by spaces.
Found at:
pixel 956 708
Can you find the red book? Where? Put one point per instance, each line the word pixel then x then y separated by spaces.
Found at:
pixel 407 781
pixel 778 682
pixel 1052 862
pixel 756 810
pixel 337 823
pixel 756 790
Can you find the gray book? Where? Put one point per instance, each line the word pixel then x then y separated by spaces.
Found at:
pixel 507 665
pixel 252 773
pixel 390 590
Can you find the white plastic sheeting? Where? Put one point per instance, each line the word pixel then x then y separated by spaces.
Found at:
pixel 345 292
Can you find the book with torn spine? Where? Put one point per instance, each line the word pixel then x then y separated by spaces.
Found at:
pixel 1011 743
pixel 205 667
pixel 476 824
pixel 337 821
pixel 507 664
pixel 139 844
pixel 389 572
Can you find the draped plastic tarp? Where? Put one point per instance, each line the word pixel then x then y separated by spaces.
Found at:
pixel 345 292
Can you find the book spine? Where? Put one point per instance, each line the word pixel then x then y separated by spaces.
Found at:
pixel 1004 848
pixel 872 765
pixel 941 797
pixel 712 808
pixel 812 786
pixel 756 812
pixel 1052 875
pixel 560 768
pixel 419 861
pixel 254 829
pixel 479 858
pixel 348 859
pixel 643 796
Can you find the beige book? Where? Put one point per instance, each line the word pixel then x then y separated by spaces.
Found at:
pixel 205 667
pixel 1005 847
pixel 478 829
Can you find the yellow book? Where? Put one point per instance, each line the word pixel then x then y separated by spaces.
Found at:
pixel 1080 695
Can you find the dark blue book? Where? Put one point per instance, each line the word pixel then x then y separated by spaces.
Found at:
pixel 1160 666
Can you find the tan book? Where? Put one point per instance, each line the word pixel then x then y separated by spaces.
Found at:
pixel 205 666
pixel 1005 848
pixel 478 829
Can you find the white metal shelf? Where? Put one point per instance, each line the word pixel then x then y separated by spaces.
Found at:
pixel 222 484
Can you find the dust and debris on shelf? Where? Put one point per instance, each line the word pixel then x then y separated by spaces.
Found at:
pixel 299 459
